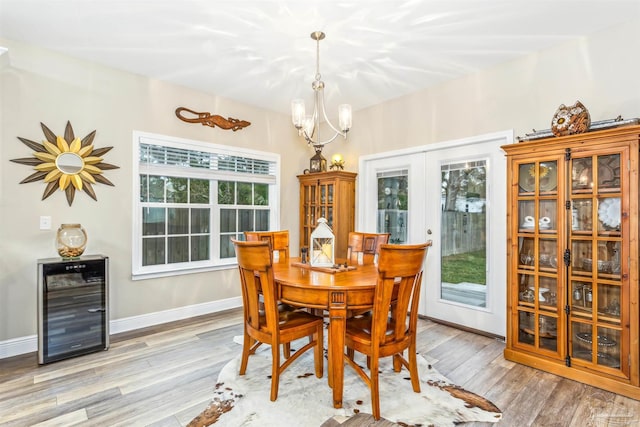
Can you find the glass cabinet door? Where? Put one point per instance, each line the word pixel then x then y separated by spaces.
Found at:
pixel 539 296
pixel 596 289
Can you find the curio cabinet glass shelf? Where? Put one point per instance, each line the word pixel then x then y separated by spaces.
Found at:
pixel 573 257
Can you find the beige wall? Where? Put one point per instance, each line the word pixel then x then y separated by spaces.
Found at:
pixel 601 71
pixel 39 86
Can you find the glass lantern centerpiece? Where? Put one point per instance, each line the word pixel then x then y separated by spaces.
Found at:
pixel 322 245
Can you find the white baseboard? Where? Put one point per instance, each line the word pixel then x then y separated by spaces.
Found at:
pixel 16 346
pixel 29 344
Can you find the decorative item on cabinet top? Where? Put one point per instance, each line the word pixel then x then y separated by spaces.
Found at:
pixel 337 162
pixel 595 125
pixel 213 120
pixel 570 120
pixel 66 162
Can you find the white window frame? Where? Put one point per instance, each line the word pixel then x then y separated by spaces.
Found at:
pixel 214 263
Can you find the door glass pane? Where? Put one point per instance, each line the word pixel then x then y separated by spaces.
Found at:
pixel 581 214
pixel 547 221
pixel 526 212
pixel 608 303
pixel 527 256
pixel 609 173
pixel 609 217
pixel 548 332
pixel 548 177
pixel 392 204
pixel 526 327
pixel 581 347
pixel 463 232
pixel 608 344
pixel 548 293
pixel 581 176
pixel 581 258
pixel 581 298
pixel 548 259
pixel 545 175
pixel 527 290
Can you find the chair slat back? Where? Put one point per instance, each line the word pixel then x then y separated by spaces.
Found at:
pixel 400 269
pixel 278 241
pixel 363 248
pixel 256 278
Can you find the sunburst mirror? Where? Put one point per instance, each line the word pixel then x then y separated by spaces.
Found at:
pixel 66 163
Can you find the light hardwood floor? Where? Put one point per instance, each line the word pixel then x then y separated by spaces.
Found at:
pixel 164 376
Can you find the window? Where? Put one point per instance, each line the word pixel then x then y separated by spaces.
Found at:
pixel 192 198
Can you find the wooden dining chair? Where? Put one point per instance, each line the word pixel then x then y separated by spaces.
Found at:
pixel 278 242
pixel 278 245
pixel 390 328
pixel 272 325
pixel 363 248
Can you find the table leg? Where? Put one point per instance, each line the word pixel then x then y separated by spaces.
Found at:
pixel 337 324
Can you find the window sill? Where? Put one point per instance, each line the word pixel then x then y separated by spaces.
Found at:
pixel 181 272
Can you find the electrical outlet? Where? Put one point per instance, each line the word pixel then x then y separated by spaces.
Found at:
pixel 45 223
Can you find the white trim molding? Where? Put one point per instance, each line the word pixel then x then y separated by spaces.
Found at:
pixel 29 344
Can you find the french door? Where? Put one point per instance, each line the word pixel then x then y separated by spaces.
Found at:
pixel 452 193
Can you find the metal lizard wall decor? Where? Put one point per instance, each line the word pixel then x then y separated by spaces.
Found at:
pixel 213 120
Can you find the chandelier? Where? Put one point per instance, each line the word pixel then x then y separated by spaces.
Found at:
pixel 309 125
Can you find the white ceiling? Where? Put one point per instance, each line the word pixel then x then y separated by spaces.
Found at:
pixel 259 52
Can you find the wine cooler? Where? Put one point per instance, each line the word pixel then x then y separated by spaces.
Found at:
pixel 73 312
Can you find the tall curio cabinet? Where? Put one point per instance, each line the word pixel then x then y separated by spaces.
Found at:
pixel 330 195
pixel 573 257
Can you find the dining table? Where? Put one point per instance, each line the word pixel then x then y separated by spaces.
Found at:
pixel 336 291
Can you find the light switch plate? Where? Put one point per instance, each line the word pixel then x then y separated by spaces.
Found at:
pixel 45 223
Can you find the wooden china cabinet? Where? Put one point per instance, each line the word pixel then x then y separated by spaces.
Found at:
pixel 573 257
pixel 329 195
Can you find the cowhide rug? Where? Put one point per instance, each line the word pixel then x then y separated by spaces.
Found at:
pixel 304 400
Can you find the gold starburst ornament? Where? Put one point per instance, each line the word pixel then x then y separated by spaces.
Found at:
pixel 66 163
